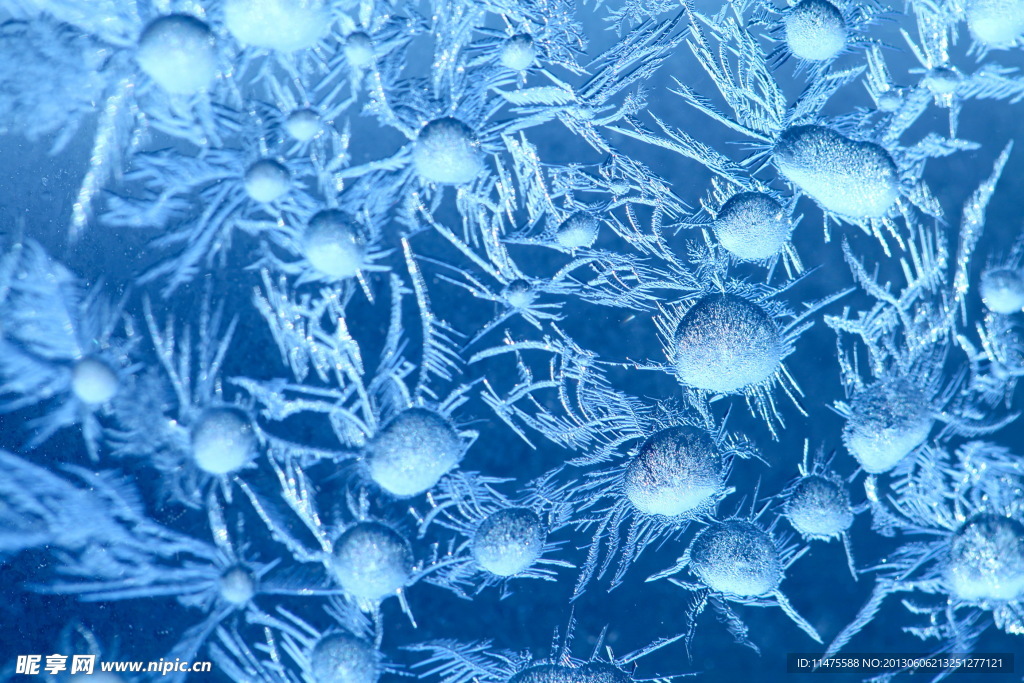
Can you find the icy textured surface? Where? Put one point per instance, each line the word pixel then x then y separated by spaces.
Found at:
pixel 851 178
pixel 675 471
pixel 413 451
pixel 725 343
pixel 178 53
pixel 223 440
pixel 446 151
pixel 371 561
pixel 819 507
pixel 815 30
pixel 753 226
pixel 509 541
pixel 341 658
pixel 888 420
pixel 986 559
pixel 737 558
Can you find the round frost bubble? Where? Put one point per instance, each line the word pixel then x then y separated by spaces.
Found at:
pixel 508 541
pixel 942 80
pixel 752 226
pixel 333 245
pixel 237 586
pixel 890 100
pixel 372 561
pixel 815 30
pixel 578 231
pixel 737 558
pixel 676 470
pixel 986 559
pixel 282 25
pixel 518 52
pixel 93 381
pixel 995 23
pixel 223 440
pixel 854 179
pixel 267 180
pixel 302 125
pixel 446 151
pixel 819 507
pixel 1002 290
pixel 725 343
pixel 519 294
pixel 342 658
pixel 358 49
pixel 888 420
pixel 413 451
pixel 178 52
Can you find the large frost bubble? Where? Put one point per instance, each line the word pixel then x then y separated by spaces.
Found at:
pixel 986 559
pixel 508 541
pixel 578 231
pixel 267 180
pixel 237 586
pixel 888 420
pixel 819 507
pixel 302 125
pixel 677 470
pixel 725 343
pixel 446 151
pixel 1002 290
pixel 413 451
pixel 282 25
pixel 815 30
pixel 851 178
pixel 178 52
pixel 223 440
pixel 518 53
pixel 359 50
pixel 372 561
pixel 334 246
pixel 342 658
pixel 736 557
pixel 995 23
pixel 93 381
pixel 752 226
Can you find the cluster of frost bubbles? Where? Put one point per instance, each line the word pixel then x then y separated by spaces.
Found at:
pixel 725 343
